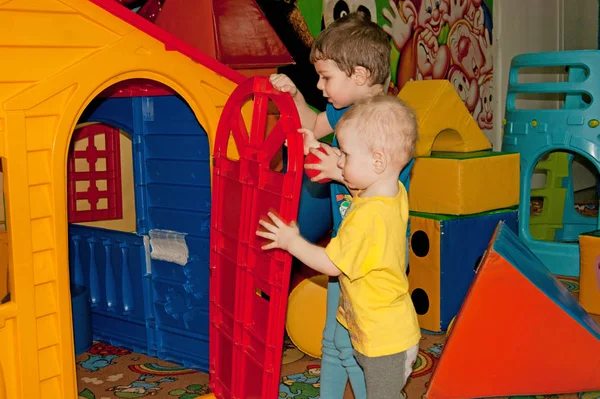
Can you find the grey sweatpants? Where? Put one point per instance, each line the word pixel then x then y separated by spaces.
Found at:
pixel 385 376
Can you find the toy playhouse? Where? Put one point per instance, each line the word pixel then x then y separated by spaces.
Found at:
pixel 172 92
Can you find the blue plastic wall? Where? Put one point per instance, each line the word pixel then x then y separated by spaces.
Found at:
pixel 169 314
pixel 112 265
pixel 462 244
pixel 173 183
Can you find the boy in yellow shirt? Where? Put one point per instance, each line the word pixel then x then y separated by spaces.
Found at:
pixel 377 138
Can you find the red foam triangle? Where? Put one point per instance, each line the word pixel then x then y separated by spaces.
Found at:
pixel 511 339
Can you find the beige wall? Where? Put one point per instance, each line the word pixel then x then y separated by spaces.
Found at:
pixel 534 26
pixel 580 21
pixel 581 33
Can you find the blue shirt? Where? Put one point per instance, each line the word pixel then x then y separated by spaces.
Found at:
pixel 340 196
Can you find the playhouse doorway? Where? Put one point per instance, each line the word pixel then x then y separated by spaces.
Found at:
pixel 139 208
pixel 564 197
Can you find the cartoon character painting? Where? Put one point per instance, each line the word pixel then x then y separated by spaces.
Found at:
pixel 431 39
pixel 345 204
pixel 414 27
pixel 141 387
pixel 302 385
pixel 334 9
pixel 471 52
pixel 96 362
pixel 191 391
pixel 485 116
pixel 446 39
pixel 101 355
pixel 467 89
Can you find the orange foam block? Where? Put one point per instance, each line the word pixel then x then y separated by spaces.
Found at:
pixel 522 328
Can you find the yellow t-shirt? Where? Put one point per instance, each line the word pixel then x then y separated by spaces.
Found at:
pixel 370 250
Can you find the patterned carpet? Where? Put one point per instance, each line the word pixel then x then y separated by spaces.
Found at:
pixel 106 372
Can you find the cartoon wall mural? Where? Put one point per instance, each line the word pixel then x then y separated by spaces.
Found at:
pixel 431 39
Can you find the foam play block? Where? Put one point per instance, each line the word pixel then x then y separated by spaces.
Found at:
pixel 464 183
pixel 445 124
pixel 521 327
pixel 444 253
pixel 589 274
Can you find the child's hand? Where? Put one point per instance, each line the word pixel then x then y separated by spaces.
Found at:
pixel 284 84
pixel 309 139
pixel 329 164
pixel 279 233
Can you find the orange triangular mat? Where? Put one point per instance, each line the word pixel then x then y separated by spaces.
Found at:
pixel 519 332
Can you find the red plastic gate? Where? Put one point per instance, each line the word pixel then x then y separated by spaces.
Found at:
pixel 248 286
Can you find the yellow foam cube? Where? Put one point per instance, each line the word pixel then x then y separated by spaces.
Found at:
pixel 464 183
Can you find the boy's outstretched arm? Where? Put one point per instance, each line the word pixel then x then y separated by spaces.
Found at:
pixel 288 238
pixel 322 126
pixel 317 123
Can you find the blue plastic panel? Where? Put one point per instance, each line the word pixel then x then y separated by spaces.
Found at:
pixel 112 265
pixel 463 242
pixel 173 193
pixel 117 112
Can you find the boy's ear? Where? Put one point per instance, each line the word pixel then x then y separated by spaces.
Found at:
pixel 379 161
pixel 361 75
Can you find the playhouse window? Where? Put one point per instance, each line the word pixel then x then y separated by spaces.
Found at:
pixel 94 174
